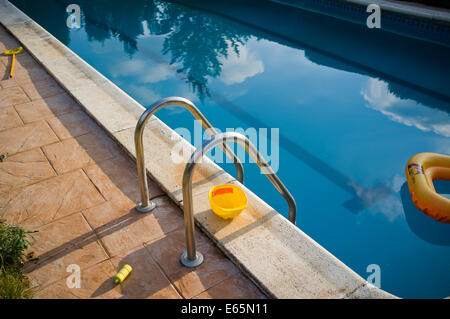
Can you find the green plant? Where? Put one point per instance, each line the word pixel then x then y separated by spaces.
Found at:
pixel 13 243
pixel 14 284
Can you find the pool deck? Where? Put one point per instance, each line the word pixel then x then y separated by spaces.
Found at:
pixel 65 178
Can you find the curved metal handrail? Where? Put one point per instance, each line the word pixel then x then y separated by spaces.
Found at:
pixel 146 205
pixel 192 258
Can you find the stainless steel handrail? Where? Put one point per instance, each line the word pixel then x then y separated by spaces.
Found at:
pixel 146 205
pixel 192 258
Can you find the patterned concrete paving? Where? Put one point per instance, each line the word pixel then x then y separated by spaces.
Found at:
pixel 65 178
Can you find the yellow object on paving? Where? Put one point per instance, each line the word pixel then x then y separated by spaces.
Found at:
pixel 122 274
pixel 227 201
pixel 13 52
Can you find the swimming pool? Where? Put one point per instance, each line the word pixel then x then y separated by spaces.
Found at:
pixel 352 106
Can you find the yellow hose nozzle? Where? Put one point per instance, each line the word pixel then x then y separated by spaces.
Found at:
pixel 122 274
pixel 13 52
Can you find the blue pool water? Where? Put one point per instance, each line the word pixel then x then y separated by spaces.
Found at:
pixel 352 106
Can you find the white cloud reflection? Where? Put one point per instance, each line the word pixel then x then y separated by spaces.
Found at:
pixel 158 73
pixel 145 71
pixel 128 68
pixel 391 207
pixel 236 68
pixel 405 111
pixel 143 94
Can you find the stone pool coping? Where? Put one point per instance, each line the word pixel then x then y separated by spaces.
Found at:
pixel 408 8
pixel 406 19
pixel 278 257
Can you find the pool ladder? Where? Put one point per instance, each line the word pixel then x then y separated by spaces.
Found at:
pixel 191 257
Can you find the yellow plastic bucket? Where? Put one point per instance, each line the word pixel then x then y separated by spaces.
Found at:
pixel 227 201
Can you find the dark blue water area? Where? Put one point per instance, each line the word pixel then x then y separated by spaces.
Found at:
pixel 351 106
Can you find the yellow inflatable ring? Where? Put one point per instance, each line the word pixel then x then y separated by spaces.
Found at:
pixel 422 169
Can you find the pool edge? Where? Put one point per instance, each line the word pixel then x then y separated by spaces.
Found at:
pixel 278 257
pixel 408 9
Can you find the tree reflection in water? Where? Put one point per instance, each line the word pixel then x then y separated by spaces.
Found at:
pixel 195 43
